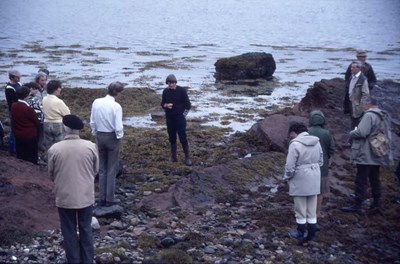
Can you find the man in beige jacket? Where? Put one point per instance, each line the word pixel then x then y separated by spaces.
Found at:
pixel 73 164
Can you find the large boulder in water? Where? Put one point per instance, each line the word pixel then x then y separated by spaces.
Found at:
pixel 253 65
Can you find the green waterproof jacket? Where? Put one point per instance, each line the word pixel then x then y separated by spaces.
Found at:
pixel 369 125
pixel 316 128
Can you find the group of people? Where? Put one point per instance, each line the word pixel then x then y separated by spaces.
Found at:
pixel 37 115
pixel 307 162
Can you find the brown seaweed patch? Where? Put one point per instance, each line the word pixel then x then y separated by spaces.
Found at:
pixel 54 47
pixel 95 61
pixel 109 48
pixel 166 64
pixel 189 46
pixel 30 62
pixel 208 45
pixel 6 66
pixel 148 53
pixel 75 46
pixel 53 58
pixel 89 54
pixel 34 47
pixel 192 59
pixel 304 71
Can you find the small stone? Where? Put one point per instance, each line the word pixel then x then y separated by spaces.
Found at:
pixel 209 250
pixel 95 223
pixel 147 193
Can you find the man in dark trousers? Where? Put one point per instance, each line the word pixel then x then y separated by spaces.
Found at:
pixel 368 163
pixel 176 104
pixel 73 164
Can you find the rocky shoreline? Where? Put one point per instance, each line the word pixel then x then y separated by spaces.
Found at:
pixel 231 207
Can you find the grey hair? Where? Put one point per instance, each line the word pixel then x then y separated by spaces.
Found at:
pixel 39 75
pixel 13 72
pixel 69 130
pixel 358 63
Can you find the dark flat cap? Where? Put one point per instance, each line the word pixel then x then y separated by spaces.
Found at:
pixel 73 122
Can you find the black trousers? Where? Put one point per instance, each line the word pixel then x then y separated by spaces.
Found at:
pixel 365 173
pixel 78 248
pixel 176 124
pixel 27 149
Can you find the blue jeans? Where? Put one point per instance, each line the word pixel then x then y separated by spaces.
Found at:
pixel 12 149
pixel 78 248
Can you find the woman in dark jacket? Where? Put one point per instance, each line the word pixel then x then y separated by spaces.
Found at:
pixel 316 128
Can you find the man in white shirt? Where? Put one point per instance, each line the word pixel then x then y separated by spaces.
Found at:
pixel 106 124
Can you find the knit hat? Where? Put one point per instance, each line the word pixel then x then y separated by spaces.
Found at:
pixel 171 78
pixel 73 122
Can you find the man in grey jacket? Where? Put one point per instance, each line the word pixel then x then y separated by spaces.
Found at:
pixel 302 171
pixel 73 164
pixel 368 164
pixel 357 91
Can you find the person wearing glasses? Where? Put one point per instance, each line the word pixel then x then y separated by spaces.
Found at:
pixel 176 103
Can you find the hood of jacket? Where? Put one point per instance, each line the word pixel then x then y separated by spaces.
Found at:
pixel 378 111
pixel 317 118
pixel 306 139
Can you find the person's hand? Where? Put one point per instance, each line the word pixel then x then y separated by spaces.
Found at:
pixel 168 105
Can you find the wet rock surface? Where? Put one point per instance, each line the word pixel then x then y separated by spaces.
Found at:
pixel 230 207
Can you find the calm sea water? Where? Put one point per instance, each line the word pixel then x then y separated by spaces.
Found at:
pixel 91 43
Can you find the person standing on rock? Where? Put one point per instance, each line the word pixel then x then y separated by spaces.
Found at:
pixel 316 128
pixel 72 165
pixel 303 174
pixel 356 92
pixel 106 124
pixel 53 109
pixel 368 163
pixel 366 69
pixel 175 101
pixel 11 96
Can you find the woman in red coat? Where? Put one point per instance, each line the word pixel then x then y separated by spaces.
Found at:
pixel 25 123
